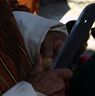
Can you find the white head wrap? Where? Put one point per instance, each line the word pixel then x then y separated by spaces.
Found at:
pixel 34 29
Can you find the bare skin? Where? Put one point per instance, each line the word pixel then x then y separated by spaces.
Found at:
pixel 51 46
pixel 51 81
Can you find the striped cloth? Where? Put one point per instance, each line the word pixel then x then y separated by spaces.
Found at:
pixel 14 62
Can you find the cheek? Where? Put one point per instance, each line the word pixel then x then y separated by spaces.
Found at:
pixel 57 47
pixel 47 50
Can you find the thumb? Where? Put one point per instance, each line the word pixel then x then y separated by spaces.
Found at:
pixel 65 73
pixel 39 64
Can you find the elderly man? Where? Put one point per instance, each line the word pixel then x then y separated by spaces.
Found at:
pixel 15 64
pixel 46 36
pixel 42 36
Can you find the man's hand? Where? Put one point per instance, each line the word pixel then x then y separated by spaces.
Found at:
pixel 51 81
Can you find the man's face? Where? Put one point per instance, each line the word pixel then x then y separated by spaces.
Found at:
pixel 51 46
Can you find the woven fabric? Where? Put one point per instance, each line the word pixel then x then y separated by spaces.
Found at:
pixel 15 64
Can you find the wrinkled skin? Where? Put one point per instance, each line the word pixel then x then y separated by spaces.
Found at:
pixel 51 46
pixel 51 81
pixel 52 43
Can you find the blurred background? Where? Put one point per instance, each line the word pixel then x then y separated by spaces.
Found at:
pixel 64 11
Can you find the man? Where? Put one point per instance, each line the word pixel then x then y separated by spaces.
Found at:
pixel 15 64
pixel 42 36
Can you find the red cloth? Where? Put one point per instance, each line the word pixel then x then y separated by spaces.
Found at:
pixel 14 62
